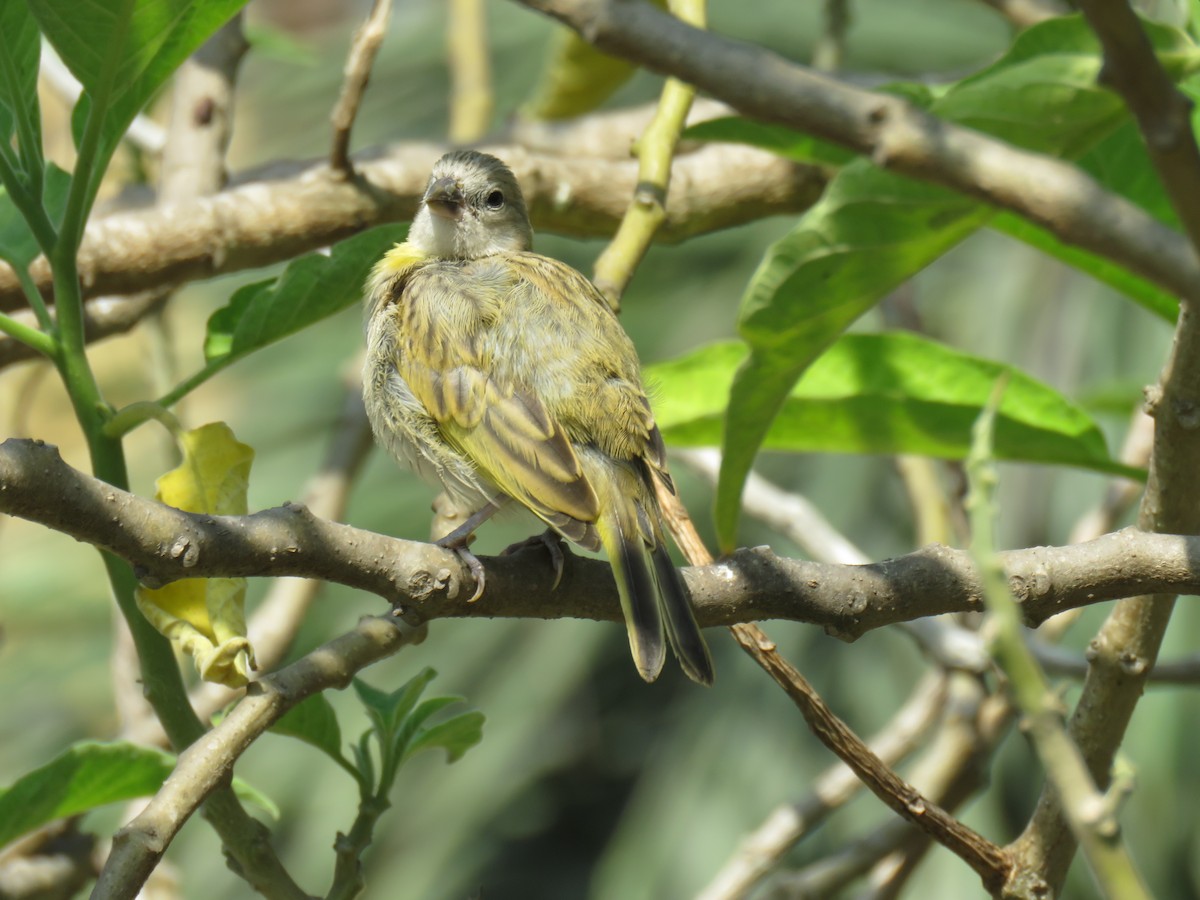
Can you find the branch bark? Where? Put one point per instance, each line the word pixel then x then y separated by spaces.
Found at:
pixel 278 213
pixel 1124 651
pixel 427 582
pixel 208 763
pixel 895 134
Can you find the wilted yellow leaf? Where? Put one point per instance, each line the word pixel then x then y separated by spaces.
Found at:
pixel 205 617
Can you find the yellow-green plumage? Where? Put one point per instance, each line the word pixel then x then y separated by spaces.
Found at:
pixel 500 373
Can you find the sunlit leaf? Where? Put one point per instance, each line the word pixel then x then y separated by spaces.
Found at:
pixel 205 617
pixel 873 230
pixel 885 393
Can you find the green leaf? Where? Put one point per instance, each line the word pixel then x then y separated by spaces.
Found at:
pixel 874 230
pixel 87 775
pixel 1044 93
pixel 314 722
pixel 20 54
pixel 456 735
pixel 888 393
pixel 388 711
pixel 124 51
pixel 413 722
pixel 18 247
pixel 310 288
pixel 870 232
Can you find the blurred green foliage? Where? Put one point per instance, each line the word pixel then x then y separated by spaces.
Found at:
pixel 588 782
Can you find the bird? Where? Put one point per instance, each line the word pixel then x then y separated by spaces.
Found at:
pixel 505 377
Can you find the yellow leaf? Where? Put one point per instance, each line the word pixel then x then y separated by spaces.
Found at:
pixel 205 617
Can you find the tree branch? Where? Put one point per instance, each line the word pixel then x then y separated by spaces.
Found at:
pixel 427 582
pixel 1126 647
pixel 278 213
pixel 895 134
pixel 208 763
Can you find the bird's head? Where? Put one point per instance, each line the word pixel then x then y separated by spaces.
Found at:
pixel 472 207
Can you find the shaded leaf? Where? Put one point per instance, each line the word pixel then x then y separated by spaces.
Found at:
pixel 310 288
pixel 87 775
pixel 456 735
pixel 18 247
pixel 314 722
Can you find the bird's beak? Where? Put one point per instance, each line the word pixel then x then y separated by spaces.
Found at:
pixel 444 198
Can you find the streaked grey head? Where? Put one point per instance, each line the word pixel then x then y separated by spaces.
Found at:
pixel 472 207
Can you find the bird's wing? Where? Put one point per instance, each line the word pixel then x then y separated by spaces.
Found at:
pixel 506 431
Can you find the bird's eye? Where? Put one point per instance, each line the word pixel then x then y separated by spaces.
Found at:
pixel 495 200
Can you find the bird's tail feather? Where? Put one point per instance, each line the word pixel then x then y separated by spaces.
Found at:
pixel 682 629
pixel 639 594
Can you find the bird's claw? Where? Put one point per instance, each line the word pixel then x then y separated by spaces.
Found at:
pixel 553 544
pixel 459 546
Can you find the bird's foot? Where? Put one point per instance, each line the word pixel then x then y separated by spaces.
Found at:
pixel 460 544
pixel 552 541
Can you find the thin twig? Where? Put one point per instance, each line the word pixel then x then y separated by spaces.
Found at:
pixel 1125 648
pixel 989 861
pixel 951 770
pixel 367 41
pixel 1120 496
pixel 1092 820
pixel 648 206
pixel 1056 660
pixel 471 99
pixel 790 513
pixel 830 52
pixel 760 851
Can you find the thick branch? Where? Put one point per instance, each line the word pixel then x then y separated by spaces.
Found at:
pixel 297 208
pixel 895 134
pixel 165 544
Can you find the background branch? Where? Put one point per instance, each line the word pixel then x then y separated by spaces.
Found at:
pixel 893 133
pixel 277 214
